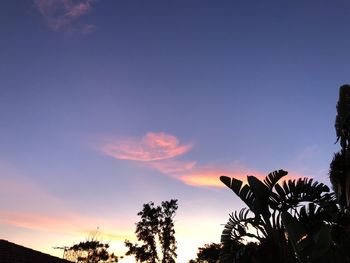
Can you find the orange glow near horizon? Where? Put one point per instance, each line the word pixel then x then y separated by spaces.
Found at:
pixel 58 232
pixel 211 178
pixel 67 228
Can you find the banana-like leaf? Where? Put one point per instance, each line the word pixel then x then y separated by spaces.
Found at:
pixel 261 194
pixel 307 231
pixel 296 231
pixel 318 244
pixel 272 178
pixel 259 188
pixel 294 192
pixel 237 226
pixel 281 192
pixel 323 238
pixel 244 192
pixel 308 246
pixel 232 183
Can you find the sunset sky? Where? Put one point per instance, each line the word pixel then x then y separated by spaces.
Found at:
pixel 108 104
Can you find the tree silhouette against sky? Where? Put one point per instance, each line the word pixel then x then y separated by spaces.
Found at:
pixel 156 225
pixel 299 220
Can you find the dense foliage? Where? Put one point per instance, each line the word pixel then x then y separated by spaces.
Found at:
pixel 299 221
pixel 209 253
pixel 155 227
pixel 285 221
pixel 90 251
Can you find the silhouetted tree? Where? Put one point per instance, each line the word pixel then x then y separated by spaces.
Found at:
pixel 90 251
pixel 156 225
pixel 340 165
pixel 342 121
pixel 167 231
pixel 297 221
pixel 295 218
pixel 210 253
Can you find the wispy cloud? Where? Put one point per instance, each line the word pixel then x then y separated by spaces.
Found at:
pixel 60 15
pixel 152 147
pixel 159 150
pixel 172 167
pixel 38 221
pixel 24 193
pixel 65 223
pixel 194 174
pixel 26 204
pixel 210 177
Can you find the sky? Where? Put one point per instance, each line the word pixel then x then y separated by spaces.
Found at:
pixel 109 104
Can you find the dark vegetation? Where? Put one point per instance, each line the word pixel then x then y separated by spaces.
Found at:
pixel 298 221
pixel 155 227
pixel 90 251
pixel 210 253
pixel 284 221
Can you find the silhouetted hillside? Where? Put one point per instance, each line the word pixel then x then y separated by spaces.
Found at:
pixel 13 253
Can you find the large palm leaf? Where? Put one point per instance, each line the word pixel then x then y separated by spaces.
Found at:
pixel 256 193
pixel 272 178
pixel 292 193
pixel 243 191
pixel 239 227
pixel 268 200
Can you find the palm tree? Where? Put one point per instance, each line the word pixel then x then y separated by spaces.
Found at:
pixel 342 121
pixel 298 220
pixel 340 166
pixel 339 169
pixel 275 218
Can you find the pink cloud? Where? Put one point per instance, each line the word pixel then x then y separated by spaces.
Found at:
pixel 158 151
pixel 172 167
pixel 197 175
pixel 66 223
pixel 202 179
pixel 37 221
pixel 60 14
pixel 79 9
pixel 26 204
pixel 152 147
pixel 23 192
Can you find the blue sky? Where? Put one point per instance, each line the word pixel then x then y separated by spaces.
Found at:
pixel 106 105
